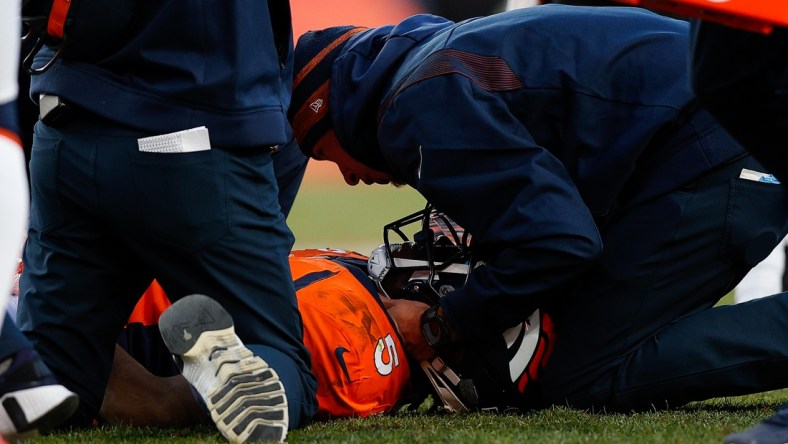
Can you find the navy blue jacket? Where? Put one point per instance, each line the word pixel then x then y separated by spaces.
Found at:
pixel 186 63
pixel 530 128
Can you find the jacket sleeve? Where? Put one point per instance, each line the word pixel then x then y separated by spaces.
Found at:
pixel 480 165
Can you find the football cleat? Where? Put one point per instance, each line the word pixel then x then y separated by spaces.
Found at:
pixel 32 402
pixel 244 395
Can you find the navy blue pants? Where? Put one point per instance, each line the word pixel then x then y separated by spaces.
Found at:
pixel 741 77
pixel 640 330
pixel 290 167
pixel 107 218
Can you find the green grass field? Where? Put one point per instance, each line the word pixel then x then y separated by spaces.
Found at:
pixel 698 423
pixel 332 214
pixel 337 216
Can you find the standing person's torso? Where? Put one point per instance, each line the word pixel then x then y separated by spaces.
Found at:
pixel 178 64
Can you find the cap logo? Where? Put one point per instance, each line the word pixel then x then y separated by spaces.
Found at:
pixel 316 105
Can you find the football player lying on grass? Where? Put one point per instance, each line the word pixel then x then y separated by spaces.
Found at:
pixel 357 354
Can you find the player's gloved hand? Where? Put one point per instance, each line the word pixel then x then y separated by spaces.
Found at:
pixel 407 317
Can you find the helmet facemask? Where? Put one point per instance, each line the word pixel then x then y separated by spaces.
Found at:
pixel 434 263
pixel 425 266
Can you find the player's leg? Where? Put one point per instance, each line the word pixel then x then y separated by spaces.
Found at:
pixel 742 78
pixel 233 249
pixel 666 261
pixel 79 282
pixel 31 400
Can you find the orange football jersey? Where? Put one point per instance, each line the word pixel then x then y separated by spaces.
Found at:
pixel 357 356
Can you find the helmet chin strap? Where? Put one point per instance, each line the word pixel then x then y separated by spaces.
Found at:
pixel 436 368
